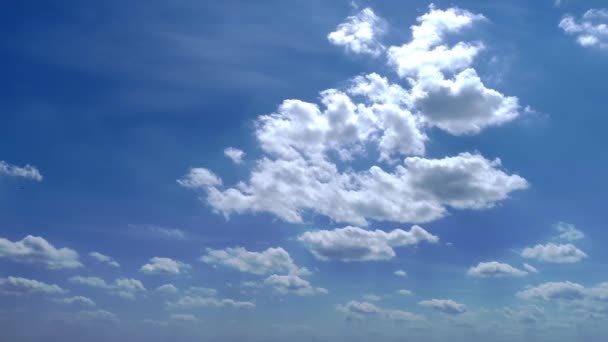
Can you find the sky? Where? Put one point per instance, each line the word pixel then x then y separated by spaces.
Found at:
pixel 303 170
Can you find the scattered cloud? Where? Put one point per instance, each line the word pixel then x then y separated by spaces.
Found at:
pixel 158 265
pixel 494 269
pixel 446 306
pixel 123 287
pixel 104 258
pixel 364 310
pixel 97 315
pixel 272 260
pixel 27 171
pixel 554 291
pixel 199 177
pixel 591 30
pixel 167 289
pixel 22 286
pixel 193 302
pixel 372 298
pixel 568 231
pixel 356 244
pixel 234 154
pixel 293 284
pixel 77 300
pixel 161 232
pixel 359 34
pixel 530 268
pixel 404 292
pixel 561 254
pixel 36 250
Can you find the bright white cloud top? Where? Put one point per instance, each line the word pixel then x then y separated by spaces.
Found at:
pixel 591 30
pixel 22 286
pixel 36 250
pixel 446 306
pixel 271 260
pixel 360 33
pixel 128 288
pixel 158 265
pixel 554 253
pixel 27 171
pixel 234 154
pixel 104 259
pixel 494 269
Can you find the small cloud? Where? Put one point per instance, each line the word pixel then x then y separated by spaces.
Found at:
pixel 400 273
pixel 234 154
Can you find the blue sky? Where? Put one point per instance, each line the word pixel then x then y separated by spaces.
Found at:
pixel 312 171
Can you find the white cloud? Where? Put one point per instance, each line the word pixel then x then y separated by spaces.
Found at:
pixel 292 284
pixel 22 286
pixel 447 306
pixel 27 171
pixel 234 154
pixel 554 291
pixel 36 250
pixel 568 231
pixel 359 34
pixel 495 269
pixel 123 287
pixel 400 273
pixel 530 268
pixel 362 310
pixel 272 260
pixel 161 232
pixel 356 244
pixel 77 300
pixel 159 265
pixel 104 258
pixel 554 253
pixel 192 302
pixel 404 292
pixel 372 298
pixel 199 177
pixel 591 30
pixel 167 289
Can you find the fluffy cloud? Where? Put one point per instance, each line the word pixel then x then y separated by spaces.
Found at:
pixel 495 269
pixel 122 287
pixel 167 289
pixel 36 250
pixel 404 292
pixel 447 306
pixel 192 302
pixel 359 34
pixel 400 273
pixel 159 265
pixel 554 291
pixel 591 30
pixel 362 310
pixel 292 284
pixel 77 300
pixel 234 154
pixel 554 253
pixel 568 231
pixel 104 258
pixel 356 244
pixel 272 260
pixel 22 286
pixel 27 171
pixel 199 177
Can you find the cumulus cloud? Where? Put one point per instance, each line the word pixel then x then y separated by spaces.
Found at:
pixel 77 300
pixel 104 258
pixel 356 244
pixel 364 310
pixel 123 287
pixel 530 268
pixel 495 269
pixel 167 289
pixel 561 254
pixel 568 231
pixel 298 173
pixel 404 292
pixel 36 250
pixel 554 291
pixel 292 284
pixel 359 34
pixel 446 306
pixel 22 286
pixel 159 265
pixel 193 302
pixel 27 171
pixel 400 273
pixel 591 30
pixel 272 260
pixel 234 154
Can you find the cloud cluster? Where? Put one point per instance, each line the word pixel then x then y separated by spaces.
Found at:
pixel 27 171
pixel 355 310
pixel 359 33
pixel 356 244
pixel 591 30
pixel 123 287
pixel 104 258
pixel 554 253
pixel 301 141
pixel 494 269
pixel 23 286
pixel 158 265
pixel 36 250
pixel 446 306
